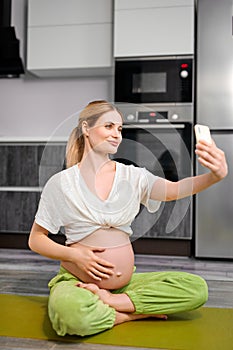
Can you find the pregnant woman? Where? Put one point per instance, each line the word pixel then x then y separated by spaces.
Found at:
pixel 96 199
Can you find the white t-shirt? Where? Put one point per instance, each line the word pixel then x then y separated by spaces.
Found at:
pixel 67 202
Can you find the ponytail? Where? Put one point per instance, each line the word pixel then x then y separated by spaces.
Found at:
pixel 75 147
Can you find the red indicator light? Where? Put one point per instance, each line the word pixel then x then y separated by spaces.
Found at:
pixel 152 114
pixel 184 65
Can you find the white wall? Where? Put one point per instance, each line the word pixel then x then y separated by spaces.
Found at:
pixel 33 107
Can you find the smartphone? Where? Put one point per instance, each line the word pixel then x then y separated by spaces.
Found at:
pixel 202 132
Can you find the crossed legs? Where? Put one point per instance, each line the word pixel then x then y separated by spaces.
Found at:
pixel 84 309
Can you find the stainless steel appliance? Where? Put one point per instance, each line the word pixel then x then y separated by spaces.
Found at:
pixel 214 107
pixel 154 80
pixel 160 138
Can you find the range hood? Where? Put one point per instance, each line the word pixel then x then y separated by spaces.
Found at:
pixel 10 62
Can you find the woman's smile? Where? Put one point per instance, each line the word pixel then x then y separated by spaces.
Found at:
pixel 113 143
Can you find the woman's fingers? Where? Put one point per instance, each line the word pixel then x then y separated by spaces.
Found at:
pixel 101 271
pixel 99 268
pixel 210 156
pixel 93 265
pixel 104 263
pixel 98 275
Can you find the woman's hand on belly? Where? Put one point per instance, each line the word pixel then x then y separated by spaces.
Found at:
pixel 87 262
pixel 108 268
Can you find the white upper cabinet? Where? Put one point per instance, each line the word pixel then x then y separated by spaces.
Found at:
pixel 153 27
pixel 69 37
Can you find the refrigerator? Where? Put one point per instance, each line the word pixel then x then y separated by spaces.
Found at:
pixel 214 107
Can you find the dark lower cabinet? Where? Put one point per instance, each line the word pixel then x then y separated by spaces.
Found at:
pixel 24 169
pixel 18 211
pixel 30 164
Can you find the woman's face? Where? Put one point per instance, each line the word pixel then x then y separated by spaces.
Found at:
pixel 105 136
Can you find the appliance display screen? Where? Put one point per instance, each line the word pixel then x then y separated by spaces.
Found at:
pixel 149 82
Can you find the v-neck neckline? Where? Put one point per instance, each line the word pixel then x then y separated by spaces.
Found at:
pixel 94 195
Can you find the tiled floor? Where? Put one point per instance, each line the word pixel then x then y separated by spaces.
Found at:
pixel 24 272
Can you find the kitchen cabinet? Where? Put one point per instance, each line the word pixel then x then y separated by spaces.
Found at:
pixel 25 168
pixel 18 208
pixel 69 38
pixel 153 28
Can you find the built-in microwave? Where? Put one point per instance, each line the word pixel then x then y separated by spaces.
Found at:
pixel 154 80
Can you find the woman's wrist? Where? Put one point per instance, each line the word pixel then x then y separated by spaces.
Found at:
pixel 72 254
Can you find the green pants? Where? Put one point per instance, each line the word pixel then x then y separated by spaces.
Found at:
pixel 74 310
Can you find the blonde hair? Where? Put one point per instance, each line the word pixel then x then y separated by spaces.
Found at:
pixel 76 142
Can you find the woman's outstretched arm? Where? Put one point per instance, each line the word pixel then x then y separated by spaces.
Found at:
pixel 211 157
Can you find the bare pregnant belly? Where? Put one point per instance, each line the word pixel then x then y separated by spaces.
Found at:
pixel 118 251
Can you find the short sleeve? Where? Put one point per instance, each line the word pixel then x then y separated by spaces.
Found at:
pixel 148 180
pixel 49 212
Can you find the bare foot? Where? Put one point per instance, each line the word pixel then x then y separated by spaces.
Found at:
pixel 103 294
pixel 122 317
pixel 111 299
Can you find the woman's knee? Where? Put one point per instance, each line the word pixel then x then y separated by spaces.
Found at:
pixel 78 312
pixel 200 292
pixel 67 322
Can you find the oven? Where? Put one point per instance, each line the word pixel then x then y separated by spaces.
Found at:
pixel 154 80
pixel 160 138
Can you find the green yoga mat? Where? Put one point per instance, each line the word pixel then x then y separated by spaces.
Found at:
pixel 202 329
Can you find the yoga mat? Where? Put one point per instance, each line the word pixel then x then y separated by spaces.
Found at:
pixel 202 329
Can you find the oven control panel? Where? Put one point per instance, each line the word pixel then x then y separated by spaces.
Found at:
pixel 147 117
pixel 156 115
pixel 152 117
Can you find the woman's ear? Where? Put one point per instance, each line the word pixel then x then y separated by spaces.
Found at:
pixel 85 128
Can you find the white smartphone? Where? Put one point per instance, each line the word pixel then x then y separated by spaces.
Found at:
pixel 202 132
